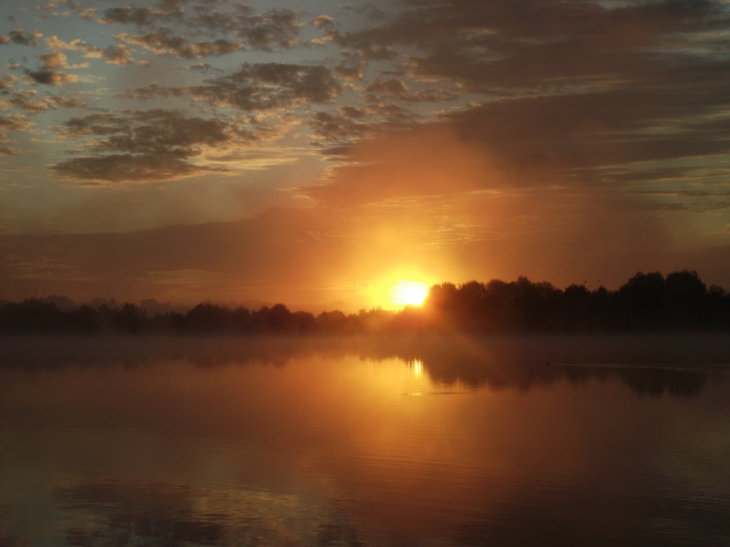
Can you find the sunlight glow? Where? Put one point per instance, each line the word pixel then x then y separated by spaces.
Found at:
pixel 417 369
pixel 409 293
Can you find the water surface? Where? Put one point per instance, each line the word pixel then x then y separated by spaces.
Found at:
pixel 506 441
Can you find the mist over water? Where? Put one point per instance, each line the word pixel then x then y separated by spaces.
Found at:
pixel 409 441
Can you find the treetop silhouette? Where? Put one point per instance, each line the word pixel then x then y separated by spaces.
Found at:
pixel 679 302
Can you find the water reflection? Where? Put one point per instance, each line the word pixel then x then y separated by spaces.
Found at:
pixel 649 365
pixel 417 368
pixel 315 442
pixel 153 513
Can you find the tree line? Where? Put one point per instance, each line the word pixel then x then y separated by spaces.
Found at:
pixel 645 303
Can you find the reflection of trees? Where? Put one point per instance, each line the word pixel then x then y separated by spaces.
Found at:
pixel 650 365
pixel 526 362
pixel 642 380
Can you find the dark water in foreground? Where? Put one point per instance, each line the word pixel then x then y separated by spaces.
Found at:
pixel 355 442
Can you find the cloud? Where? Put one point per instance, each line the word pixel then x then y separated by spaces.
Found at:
pixel 54 60
pixel 115 54
pixel 129 15
pixel 363 47
pixel 568 93
pixel 583 138
pixel 164 42
pixel 258 87
pixel 28 101
pixel 89 14
pixel 343 126
pixel 7 82
pixel 323 22
pixel 199 67
pixel 144 146
pixel 481 42
pixel 44 76
pixel 590 102
pixel 20 37
pixel 263 31
pixel 165 10
pixel 275 27
pixel 12 122
pixel 128 168
pixel 397 89
pixel 278 27
pixel 9 151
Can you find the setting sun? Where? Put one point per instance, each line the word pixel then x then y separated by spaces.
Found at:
pixel 409 293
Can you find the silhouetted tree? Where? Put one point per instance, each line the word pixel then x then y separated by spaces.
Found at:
pixel 645 303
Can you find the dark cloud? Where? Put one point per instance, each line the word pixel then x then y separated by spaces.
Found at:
pixel 129 15
pixel 397 89
pixel 571 92
pixel 165 10
pixel 143 146
pixel 153 131
pixel 258 87
pixel 583 137
pixel 351 70
pixel 199 67
pixel 8 151
pixel 343 126
pixel 45 76
pixel 361 45
pixel 127 168
pixel 31 103
pixel 19 36
pixel 491 44
pixel 275 27
pixel 262 31
pixel 114 55
pixel 67 102
pixel 334 130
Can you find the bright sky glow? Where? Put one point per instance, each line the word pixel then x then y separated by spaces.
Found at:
pixel 315 153
pixel 409 293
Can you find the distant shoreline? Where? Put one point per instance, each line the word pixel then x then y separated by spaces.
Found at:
pixel 646 303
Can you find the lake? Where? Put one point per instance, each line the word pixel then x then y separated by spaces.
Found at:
pixel 357 442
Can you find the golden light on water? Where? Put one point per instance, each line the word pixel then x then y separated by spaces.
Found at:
pixel 417 369
pixel 409 293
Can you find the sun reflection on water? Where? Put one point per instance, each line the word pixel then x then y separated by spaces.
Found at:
pixel 417 369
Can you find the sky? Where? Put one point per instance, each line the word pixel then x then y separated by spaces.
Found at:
pixel 317 152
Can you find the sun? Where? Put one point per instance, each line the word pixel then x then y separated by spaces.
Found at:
pixel 409 293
